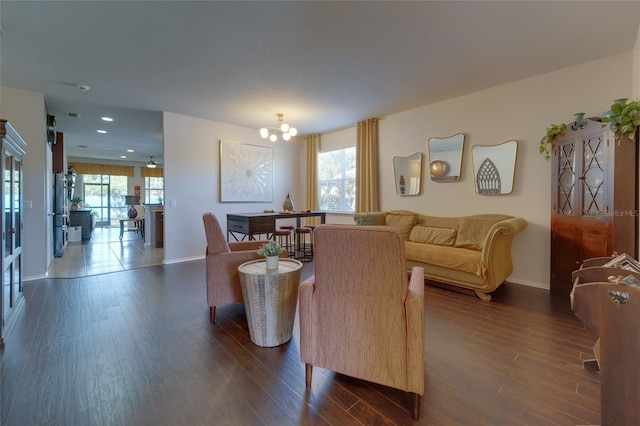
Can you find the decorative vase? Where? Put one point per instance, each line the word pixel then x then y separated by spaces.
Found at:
pixel 272 262
pixel 133 213
pixel 578 121
pixel 287 204
pixel 439 168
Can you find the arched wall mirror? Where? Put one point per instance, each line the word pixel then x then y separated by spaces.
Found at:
pixel 408 174
pixel 494 167
pixel 445 158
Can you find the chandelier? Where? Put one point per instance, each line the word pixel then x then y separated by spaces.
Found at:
pixel 272 132
pixel 151 164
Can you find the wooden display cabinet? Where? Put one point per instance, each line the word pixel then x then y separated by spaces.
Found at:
pixel 594 204
pixel 11 223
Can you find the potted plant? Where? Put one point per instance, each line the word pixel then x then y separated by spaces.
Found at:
pixel 624 118
pixel 75 203
pixel 271 250
pixel 545 143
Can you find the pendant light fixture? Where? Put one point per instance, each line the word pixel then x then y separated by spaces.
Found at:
pixel 151 164
pixel 272 132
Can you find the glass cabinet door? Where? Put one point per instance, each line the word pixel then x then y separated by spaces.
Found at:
pixel 566 179
pixel 593 176
pixel 12 230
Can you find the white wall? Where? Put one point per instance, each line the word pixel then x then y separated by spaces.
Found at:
pixel 192 179
pixel 521 111
pixel 25 110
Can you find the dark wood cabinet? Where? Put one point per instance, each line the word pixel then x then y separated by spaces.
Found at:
pixel 82 218
pixel 159 229
pixel 611 311
pixel 594 204
pixel 57 153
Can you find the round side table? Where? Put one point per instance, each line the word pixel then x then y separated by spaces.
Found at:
pixel 270 298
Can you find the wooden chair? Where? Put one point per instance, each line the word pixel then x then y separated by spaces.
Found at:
pixel 359 314
pixel 612 311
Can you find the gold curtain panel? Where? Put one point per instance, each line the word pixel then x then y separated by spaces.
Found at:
pixel 147 172
pixel 103 169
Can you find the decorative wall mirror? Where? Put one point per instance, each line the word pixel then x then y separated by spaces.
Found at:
pixel 494 167
pixel 445 158
pixel 408 174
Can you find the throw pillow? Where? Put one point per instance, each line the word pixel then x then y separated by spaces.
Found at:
pixel 431 235
pixel 364 219
pixel 402 221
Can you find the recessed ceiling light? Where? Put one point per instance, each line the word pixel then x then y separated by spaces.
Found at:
pixel 130 150
pixel 123 156
pixel 107 119
pixel 101 131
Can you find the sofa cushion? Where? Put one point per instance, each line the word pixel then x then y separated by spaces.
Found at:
pixel 402 221
pixel 460 259
pixel 433 235
pixel 472 231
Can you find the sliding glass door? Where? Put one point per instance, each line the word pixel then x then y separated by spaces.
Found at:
pixel 104 195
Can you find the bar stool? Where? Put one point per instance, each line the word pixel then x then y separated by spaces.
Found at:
pixel 312 227
pixel 303 250
pixel 284 238
pixel 291 250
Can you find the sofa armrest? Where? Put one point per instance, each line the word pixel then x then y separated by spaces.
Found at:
pixel 496 250
pixel 370 218
pixel 414 307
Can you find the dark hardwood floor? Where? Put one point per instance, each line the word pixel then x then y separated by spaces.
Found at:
pixel 136 348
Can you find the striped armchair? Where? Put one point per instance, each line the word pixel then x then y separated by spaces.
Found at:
pixel 359 314
pixel 222 261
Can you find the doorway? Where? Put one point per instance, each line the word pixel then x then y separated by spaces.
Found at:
pixel 105 196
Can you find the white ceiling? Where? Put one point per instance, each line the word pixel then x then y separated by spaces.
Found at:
pixel 325 65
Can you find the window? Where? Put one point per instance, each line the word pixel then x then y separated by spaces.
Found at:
pixel 337 180
pixel 104 195
pixel 153 190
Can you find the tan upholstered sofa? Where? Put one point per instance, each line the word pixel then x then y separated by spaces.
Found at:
pixel 472 252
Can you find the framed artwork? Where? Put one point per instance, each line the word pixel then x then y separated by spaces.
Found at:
pixel 246 173
pixel 624 261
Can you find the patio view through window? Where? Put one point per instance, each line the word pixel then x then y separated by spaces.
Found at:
pixel 337 180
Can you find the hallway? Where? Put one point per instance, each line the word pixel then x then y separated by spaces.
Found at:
pixel 104 253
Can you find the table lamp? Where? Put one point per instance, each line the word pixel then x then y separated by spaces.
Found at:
pixel 132 200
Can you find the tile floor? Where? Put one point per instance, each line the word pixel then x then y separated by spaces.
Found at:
pixel 103 253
